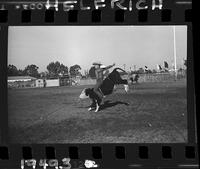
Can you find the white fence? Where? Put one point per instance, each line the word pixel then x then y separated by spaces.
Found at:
pixel 39 83
pixel 52 82
pixel 159 77
pixel 87 82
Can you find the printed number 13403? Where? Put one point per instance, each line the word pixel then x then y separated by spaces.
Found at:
pixel 66 164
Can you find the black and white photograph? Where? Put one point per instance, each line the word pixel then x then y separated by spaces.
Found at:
pixel 97 84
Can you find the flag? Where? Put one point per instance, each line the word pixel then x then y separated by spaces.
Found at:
pixel 166 64
pixel 159 67
pixel 146 69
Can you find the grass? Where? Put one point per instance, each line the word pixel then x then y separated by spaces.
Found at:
pixel 150 113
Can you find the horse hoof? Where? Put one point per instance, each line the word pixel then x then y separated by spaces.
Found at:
pixel 126 87
pixel 90 109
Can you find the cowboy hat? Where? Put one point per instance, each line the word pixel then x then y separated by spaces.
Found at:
pixel 102 66
pixel 97 63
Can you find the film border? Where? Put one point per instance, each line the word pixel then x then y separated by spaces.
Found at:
pixel 177 15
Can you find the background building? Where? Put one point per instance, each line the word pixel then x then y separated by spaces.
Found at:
pixel 21 81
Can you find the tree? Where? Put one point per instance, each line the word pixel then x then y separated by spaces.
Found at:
pixel 74 70
pixel 44 74
pixel 55 68
pixel 51 67
pixel 92 72
pixel 63 69
pixel 12 70
pixel 31 70
pixel 20 72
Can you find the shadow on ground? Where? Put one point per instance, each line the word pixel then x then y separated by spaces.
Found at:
pixel 108 104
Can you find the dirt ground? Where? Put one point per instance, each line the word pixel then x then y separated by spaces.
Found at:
pixel 149 113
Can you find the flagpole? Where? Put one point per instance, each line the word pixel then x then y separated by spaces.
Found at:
pixel 175 68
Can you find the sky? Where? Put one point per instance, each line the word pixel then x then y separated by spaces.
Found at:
pixel 123 45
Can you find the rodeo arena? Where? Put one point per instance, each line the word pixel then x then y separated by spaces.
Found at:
pixel 152 110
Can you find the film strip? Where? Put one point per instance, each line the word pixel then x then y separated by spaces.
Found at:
pixel 97 12
pixel 27 140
